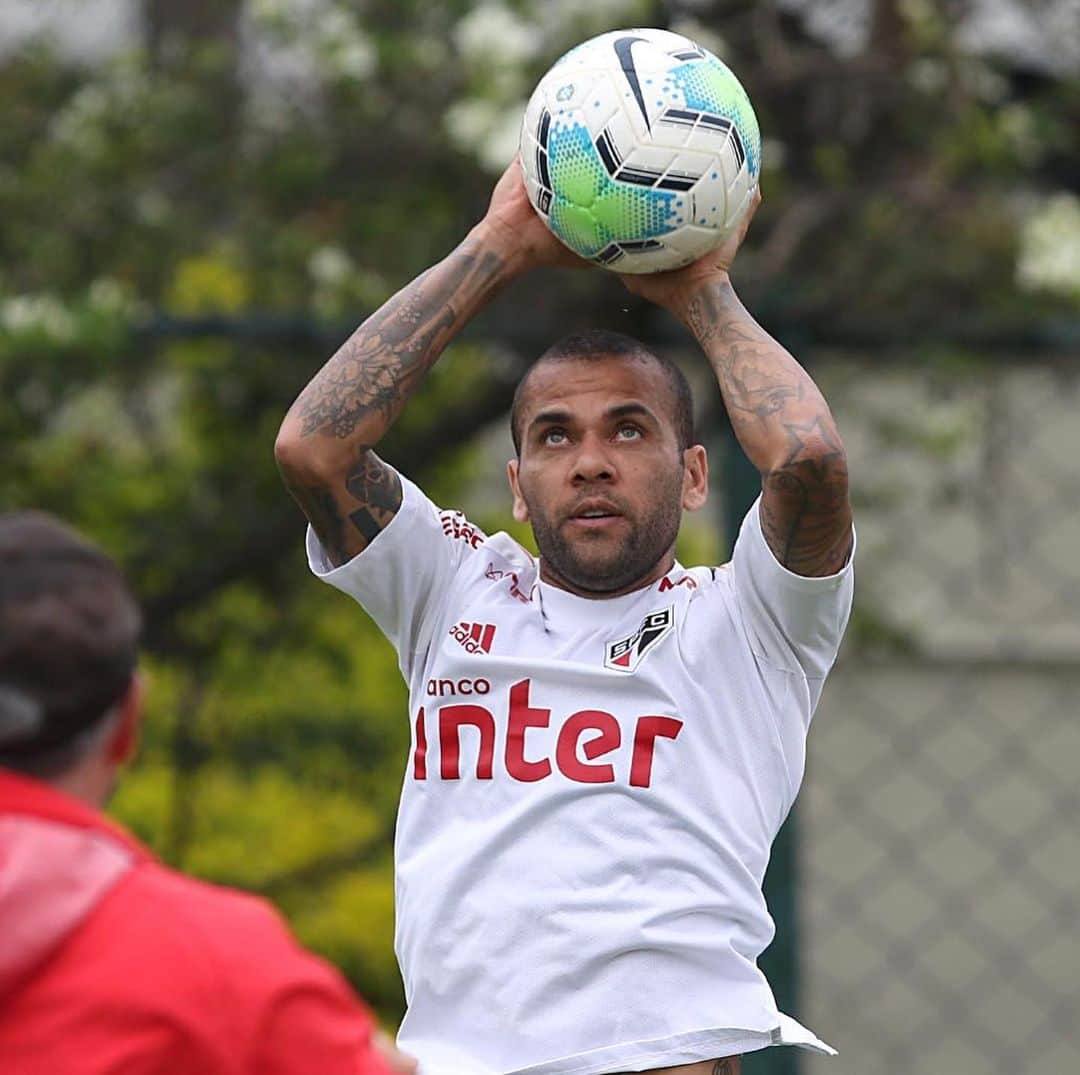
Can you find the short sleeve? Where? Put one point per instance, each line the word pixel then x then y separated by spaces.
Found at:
pixel 401 579
pixel 794 622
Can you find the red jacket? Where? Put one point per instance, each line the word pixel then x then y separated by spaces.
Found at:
pixel 110 963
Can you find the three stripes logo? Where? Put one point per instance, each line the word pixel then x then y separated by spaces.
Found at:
pixel 474 637
pixel 627 653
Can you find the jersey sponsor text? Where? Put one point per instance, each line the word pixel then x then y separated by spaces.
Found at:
pixel 584 739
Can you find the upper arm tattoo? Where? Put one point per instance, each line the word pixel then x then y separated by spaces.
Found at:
pixel 348 518
pixel 778 413
pixel 378 489
pixel 805 513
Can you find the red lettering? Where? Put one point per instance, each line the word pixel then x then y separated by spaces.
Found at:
pixel 523 717
pixel 585 737
pixel 566 749
pixel 666 583
pixel 648 730
pixel 420 756
pixel 451 719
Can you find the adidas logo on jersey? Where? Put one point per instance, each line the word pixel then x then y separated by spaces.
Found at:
pixel 626 654
pixel 474 637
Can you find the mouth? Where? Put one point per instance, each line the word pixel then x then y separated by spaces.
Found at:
pixel 595 514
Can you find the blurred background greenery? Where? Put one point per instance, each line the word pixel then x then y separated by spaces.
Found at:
pixel 200 198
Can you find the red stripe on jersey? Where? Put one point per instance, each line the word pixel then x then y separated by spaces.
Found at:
pixel 420 757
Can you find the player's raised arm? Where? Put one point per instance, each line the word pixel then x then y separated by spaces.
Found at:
pixel 325 446
pixel 779 416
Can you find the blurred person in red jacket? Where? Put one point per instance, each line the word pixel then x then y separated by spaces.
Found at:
pixel 109 961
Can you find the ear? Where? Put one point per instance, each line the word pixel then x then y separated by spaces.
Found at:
pixel 695 477
pixel 521 510
pixel 124 740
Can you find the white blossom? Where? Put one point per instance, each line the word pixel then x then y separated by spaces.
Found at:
pixel 330 266
pixel 495 35
pixel 108 295
pixel 1050 247
pixel 597 16
pixel 343 46
pixel 488 130
pixel 38 315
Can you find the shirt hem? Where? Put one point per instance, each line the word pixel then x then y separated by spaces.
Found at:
pixel 689 1048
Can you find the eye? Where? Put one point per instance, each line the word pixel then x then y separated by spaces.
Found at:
pixel 628 432
pixel 553 436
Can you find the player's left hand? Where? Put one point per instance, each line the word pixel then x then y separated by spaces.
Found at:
pixel 512 216
pixel 668 288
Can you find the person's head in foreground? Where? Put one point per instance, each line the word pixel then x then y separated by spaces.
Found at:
pixel 110 961
pixel 69 633
pixel 606 461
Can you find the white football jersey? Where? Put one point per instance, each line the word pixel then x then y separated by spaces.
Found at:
pixel 591 796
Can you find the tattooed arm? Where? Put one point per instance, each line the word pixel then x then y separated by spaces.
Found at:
pixel 325 448
pixel 780 418
pixel 786 429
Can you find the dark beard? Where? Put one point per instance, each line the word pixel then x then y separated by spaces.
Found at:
pixel 631 560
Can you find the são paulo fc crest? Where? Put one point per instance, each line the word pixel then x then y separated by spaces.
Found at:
pixel 627 653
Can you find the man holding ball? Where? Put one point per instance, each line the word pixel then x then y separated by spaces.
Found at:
pixel 605 743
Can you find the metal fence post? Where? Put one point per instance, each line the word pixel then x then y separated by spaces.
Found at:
pixel 742 483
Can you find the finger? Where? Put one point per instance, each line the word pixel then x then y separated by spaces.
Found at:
pixel 751 209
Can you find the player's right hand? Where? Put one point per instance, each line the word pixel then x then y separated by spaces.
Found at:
pixel 511 217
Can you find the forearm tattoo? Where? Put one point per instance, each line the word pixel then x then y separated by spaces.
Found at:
pixel 380 365
pixel 778 413
pixel 357 395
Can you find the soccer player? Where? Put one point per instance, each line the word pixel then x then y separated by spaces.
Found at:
pixel 604 743
pixel 109 962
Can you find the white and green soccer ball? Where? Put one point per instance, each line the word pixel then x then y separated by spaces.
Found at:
pixel 640 150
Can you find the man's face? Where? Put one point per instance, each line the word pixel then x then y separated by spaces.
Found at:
pixel 601 476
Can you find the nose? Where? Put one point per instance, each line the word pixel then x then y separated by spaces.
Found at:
pixel 593 462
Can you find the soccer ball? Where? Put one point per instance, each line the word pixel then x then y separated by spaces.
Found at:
pixel 640 150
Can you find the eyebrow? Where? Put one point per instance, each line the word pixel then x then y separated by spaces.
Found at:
pixel 630 410
pixel 553 417
pixel 620 410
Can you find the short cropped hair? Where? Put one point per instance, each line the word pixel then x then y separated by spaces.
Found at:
pixel 69 637
pixel 601 344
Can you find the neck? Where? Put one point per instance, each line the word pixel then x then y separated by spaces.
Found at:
pixel 552 577
pixel 89 784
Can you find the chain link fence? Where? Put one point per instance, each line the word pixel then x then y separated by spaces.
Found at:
pixel 940 819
